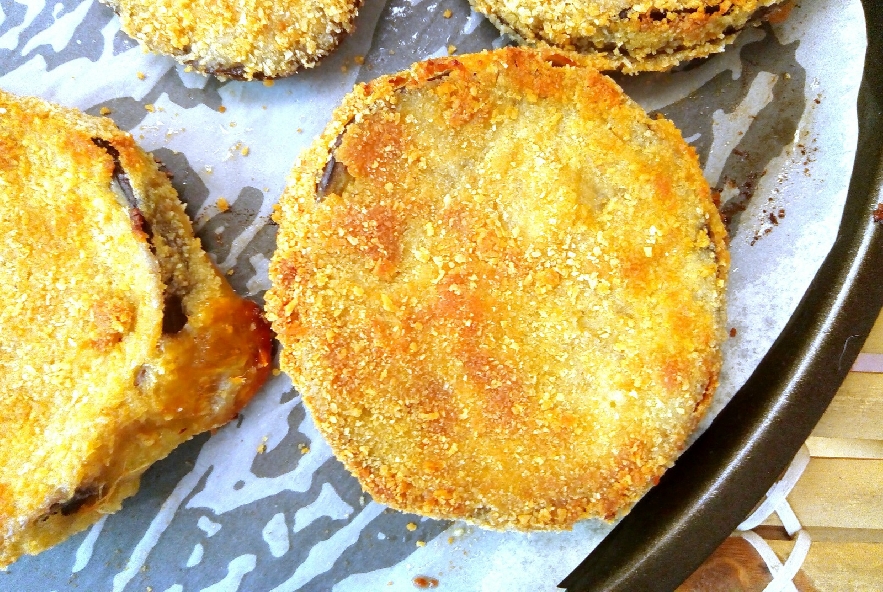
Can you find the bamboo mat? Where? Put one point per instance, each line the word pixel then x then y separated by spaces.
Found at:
pixel 838 500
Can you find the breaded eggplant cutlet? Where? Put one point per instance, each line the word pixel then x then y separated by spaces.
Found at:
pixel 500 290
pixel 256 39
pixel 629 36
pixel 120 338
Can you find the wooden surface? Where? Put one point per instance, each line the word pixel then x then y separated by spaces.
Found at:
pixel 838 500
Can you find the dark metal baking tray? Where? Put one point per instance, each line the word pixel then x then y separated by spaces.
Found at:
pixel 696 506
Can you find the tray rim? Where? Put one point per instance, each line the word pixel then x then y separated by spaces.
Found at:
pixel 720 478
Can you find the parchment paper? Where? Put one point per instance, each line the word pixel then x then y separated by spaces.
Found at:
pixel 262 504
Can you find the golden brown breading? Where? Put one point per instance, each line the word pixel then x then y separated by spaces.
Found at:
pixel 120 338
pixel 629 36
pixel 500 288
pixel 256 39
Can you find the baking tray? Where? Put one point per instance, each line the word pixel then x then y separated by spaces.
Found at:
pixel 219 533
pixel 720 478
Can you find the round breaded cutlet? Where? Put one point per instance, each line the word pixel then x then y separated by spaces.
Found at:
pixel 256 39
pixel 120 337
pixel 500 286
pixel 629 36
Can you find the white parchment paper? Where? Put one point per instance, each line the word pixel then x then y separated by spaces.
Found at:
pixel 262 504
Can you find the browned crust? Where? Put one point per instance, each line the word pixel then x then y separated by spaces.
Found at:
pixel 257 40
pixel 632 37
pixel 472 301
pixel 97 381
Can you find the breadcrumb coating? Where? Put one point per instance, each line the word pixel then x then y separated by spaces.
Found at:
pixel 500 287
pixel 120 338
pixel 251 39
pixel 631 36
